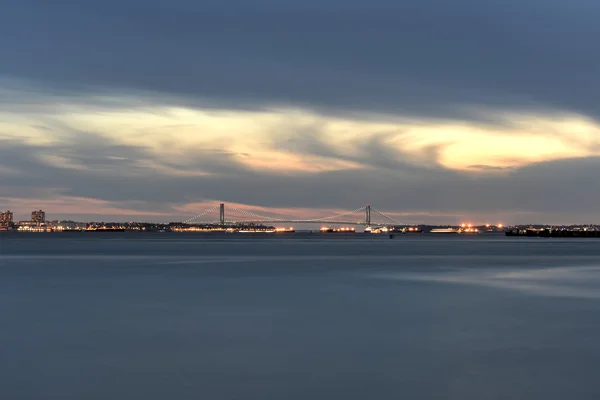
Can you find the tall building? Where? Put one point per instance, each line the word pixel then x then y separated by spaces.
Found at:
pixel 38 216
pixel 6 218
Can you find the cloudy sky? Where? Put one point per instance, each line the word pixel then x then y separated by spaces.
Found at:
pixel 435 110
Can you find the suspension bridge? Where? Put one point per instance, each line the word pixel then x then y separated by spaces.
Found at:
pixel 229 215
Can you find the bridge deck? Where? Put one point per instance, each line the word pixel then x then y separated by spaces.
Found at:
pixel 359 223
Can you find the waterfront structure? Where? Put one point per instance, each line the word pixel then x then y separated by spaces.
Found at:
pixel 6 218
pixel 38 216
pixel 30 226
pixel 224 218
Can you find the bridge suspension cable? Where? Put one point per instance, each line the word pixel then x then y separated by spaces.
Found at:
pixel 273 219
pixel 252 214
pixel 335 215
pixel 386 216
pixel 202 214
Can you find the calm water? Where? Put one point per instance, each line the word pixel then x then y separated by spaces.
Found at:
pixel 175 316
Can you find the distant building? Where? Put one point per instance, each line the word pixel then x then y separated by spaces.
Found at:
pixel 6 218
pixel 38 216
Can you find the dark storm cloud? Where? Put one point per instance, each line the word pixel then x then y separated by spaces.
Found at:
pixel 427 57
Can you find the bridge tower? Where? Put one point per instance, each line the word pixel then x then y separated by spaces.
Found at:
pixel 222 213
pixel 368 215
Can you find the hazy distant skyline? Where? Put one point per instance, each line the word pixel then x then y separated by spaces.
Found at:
pixel 440 111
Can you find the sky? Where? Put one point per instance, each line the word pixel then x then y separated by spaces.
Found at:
pixel 434 111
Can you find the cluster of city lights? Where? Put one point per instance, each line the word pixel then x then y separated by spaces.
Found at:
pixel 326 229
pixel 469 228
pixel 290 229
pixel 499 226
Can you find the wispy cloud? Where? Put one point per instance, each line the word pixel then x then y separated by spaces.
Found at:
pixel 295 140
pixel 81 206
